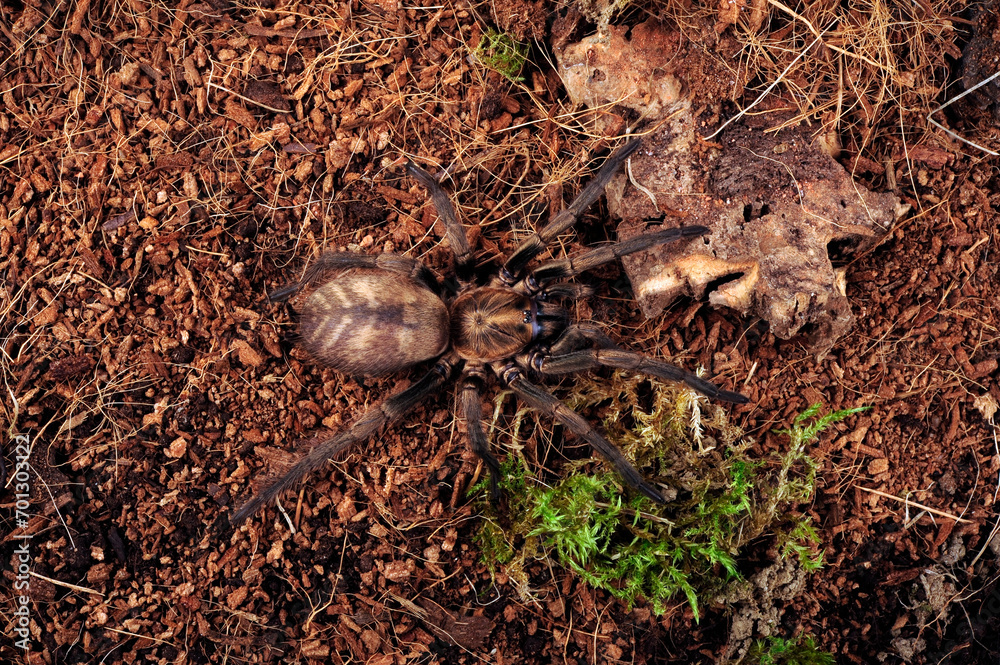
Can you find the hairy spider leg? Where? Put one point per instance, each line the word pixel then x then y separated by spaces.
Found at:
pixel 576 335
pixel 544 402
pixel 570 290
pixel 511 271
pixel 371 422
pixel 590 259
pixel 579 361
pixel 454 230
pixel 332 261
pixel 472 411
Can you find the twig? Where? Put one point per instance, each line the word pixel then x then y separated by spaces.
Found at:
pixel 952 101
pixel 916 505
pixel 288 520
pixel 74 587
pixel 245 98
pixel 996 527
pixel 634 512
pixel 812 29
pixel 986 544
pixel 69 534
pixel 635 183
pixel 769 88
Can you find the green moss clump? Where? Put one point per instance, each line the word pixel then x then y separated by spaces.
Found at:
pixel 633 548
pixel 779 651
pixel 502 53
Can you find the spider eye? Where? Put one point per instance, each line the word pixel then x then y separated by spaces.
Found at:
pixel 527 316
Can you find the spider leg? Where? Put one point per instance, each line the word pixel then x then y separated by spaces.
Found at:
pixel 541 400
pixel 330 261
pixel 454 230
pixel 472 411
pixel 382 414
pixel 567 268
pixel 579 361
pixel 570 290
pixel 529 249
pixel 574 336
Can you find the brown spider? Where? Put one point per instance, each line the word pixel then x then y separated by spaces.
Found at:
pixel 376 315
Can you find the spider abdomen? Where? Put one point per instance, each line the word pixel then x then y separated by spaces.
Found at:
pixel 373 323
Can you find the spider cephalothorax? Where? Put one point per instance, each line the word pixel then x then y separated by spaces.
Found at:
pixel 489 324
pixel 375 315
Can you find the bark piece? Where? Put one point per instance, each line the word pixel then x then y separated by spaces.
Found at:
pixel 785 216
